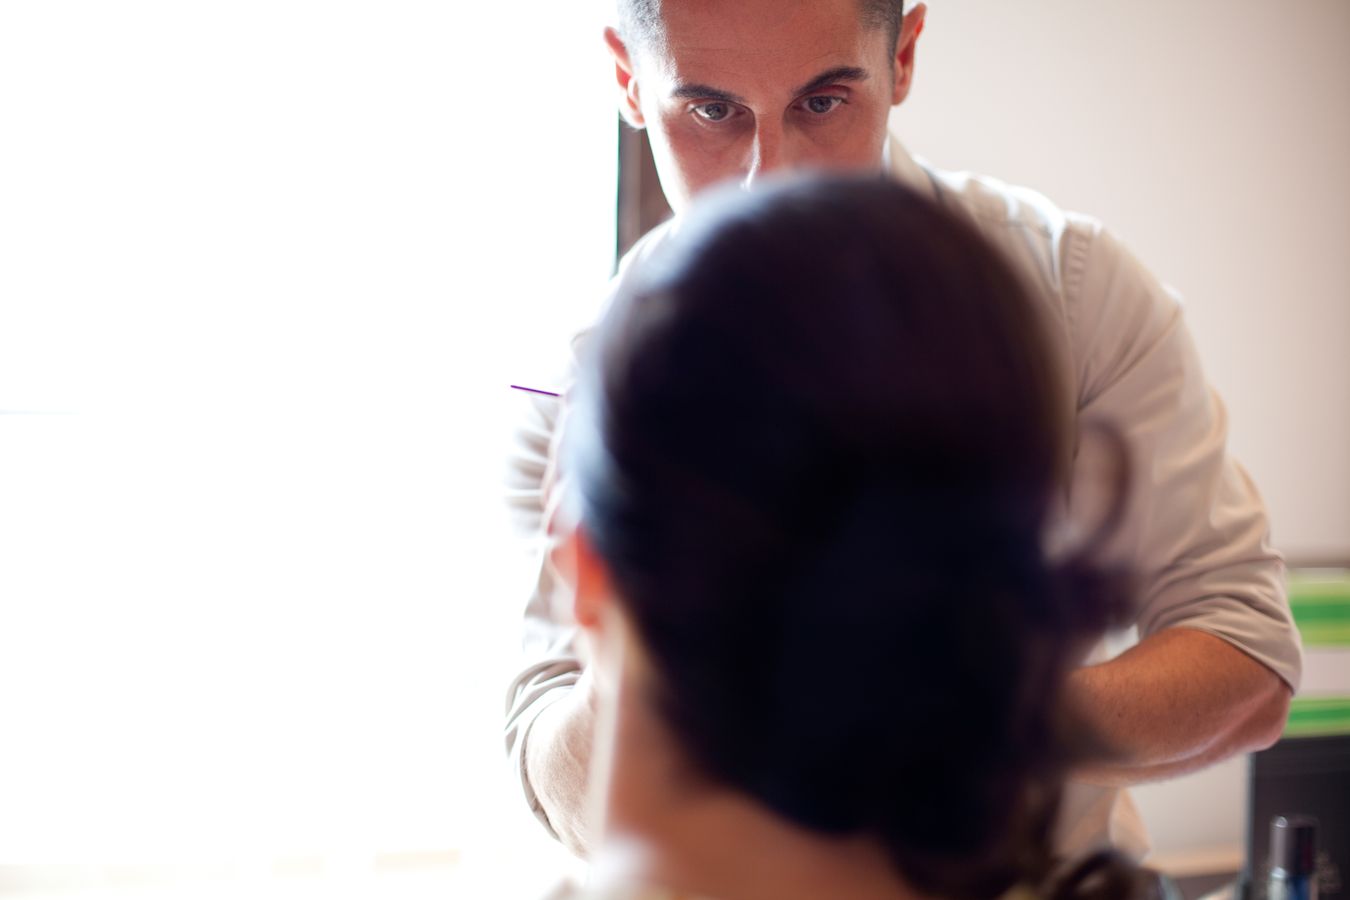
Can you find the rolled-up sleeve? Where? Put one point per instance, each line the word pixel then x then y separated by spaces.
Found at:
pixel 1195 527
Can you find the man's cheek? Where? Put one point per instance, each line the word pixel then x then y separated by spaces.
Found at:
pixel 697 162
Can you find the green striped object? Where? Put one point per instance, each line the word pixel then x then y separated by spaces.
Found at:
pixel 1320 600
pixel 1318 716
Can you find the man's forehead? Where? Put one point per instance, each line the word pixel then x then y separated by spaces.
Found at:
pixel 761 43
pixel 709 22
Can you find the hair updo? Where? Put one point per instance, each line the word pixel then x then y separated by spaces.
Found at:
pixel 816 440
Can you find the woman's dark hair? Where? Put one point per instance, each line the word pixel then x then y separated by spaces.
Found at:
pixel 816 441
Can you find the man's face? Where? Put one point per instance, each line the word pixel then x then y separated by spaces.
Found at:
pixel 739 90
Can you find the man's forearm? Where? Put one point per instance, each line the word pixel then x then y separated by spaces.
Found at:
pixel 1180 700
pixel 557 763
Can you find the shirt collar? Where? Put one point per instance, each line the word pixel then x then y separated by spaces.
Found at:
pixel 905 169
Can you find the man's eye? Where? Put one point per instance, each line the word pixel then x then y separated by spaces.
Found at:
pixel 712 112
pixel 822 103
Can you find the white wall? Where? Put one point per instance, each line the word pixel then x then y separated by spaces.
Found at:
pixel 1214 137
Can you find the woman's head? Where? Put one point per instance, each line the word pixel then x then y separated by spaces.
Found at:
pixel 816 447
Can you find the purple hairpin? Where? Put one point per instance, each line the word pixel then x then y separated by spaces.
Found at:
pixel 535 390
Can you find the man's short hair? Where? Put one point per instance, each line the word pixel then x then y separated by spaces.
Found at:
pixel 640 21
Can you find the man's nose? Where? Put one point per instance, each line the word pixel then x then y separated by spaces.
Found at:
pixel 766 156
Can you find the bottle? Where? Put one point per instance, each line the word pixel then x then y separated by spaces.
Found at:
pixel 1293 858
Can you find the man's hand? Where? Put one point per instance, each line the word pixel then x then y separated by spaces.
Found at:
pixel 552 486
pixel 1178 701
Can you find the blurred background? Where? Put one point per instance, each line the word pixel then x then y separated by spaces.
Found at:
pixel 266 270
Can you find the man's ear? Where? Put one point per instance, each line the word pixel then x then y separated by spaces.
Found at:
pixel 630 106
pixel 910 29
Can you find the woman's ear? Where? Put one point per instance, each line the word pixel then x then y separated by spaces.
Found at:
pixel 630 104
pixel 592 591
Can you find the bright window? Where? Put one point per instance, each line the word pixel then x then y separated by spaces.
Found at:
pixel 266 269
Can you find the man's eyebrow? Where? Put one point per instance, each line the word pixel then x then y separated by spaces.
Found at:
pixel 830 76
pixel 703 92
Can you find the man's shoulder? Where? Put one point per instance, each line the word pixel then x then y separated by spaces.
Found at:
pixel 629 265
pixel 1029 227
pixel 998 203
pixel 643 248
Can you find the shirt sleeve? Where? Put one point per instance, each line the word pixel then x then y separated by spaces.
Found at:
pixel 551 662
pixel 1194 526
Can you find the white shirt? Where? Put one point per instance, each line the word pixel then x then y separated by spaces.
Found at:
pixel 1194 527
